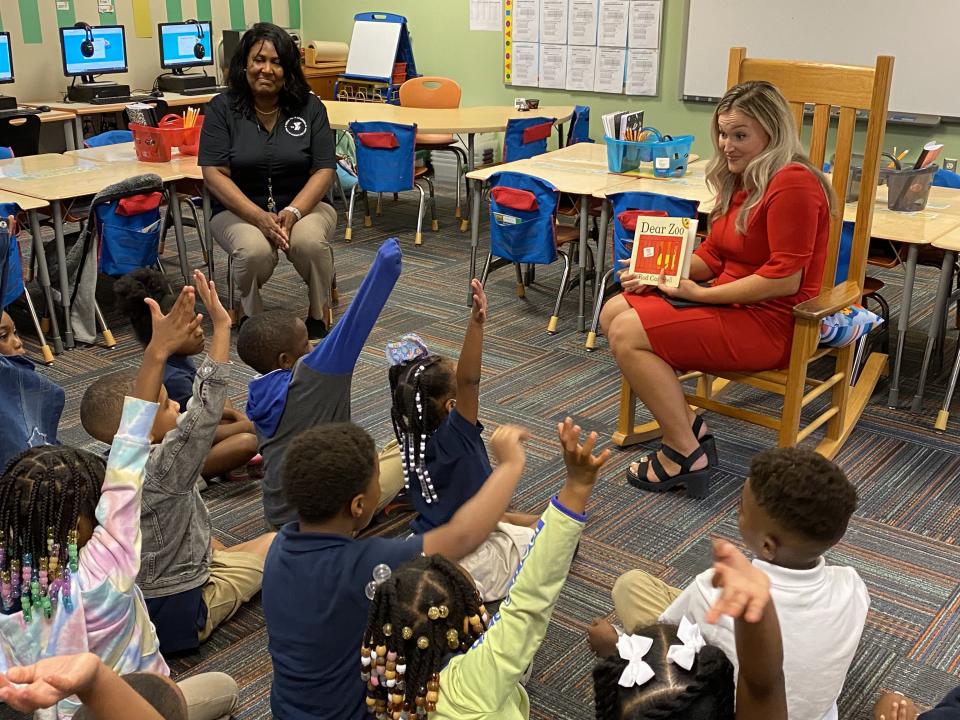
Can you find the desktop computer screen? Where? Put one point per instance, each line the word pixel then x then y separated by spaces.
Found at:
pixel 185 45
pixel 101 49
pixel 6 58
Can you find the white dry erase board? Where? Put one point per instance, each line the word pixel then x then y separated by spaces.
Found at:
pixel 920 35
pixel 373 49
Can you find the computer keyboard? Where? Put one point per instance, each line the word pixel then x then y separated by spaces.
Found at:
pixel 121 99
pixel 205 91
pixel 18 112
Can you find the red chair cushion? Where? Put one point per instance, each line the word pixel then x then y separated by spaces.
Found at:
pixel 514 198
pixel 537 132
pixel 628 218
pixel 382 140
pixel 138 204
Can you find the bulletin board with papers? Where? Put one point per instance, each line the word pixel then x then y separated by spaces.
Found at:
pixel 607 46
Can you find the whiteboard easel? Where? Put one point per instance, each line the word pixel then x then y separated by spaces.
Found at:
pixel 373 49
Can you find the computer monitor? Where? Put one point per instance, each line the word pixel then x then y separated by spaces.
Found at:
pixel 89 51
pixel 184 45
pixel 6 59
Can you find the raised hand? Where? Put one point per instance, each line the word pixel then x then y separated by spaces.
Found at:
pixel 207 290
pixel 174 329
pixel 507 444
pixel 746 588
pixel 478 313
pixel 582 464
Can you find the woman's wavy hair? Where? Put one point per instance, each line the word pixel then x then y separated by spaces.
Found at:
pixel 295 91
pixel 705 692
pixel 764 103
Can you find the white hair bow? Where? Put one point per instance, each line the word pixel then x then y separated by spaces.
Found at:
pixel 689 634
pixel 632 648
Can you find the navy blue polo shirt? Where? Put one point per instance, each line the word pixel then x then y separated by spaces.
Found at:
pixel 301 142
pixel 457 461
pixel 178 376
pixel 315 605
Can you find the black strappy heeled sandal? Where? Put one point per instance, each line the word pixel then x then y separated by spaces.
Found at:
pixel 697 482
pixel 707 442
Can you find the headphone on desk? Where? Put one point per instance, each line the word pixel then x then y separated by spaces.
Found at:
pixel 87 47
pixel 199 51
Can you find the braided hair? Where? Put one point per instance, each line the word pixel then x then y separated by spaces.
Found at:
pixel 426 611
pixel 43 493
pixel 418 387
pixel 705 692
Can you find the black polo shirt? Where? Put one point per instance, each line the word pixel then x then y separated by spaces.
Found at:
pixel 299 143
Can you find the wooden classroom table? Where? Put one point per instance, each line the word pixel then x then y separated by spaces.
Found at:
pixel 55 178
pixel 30 205
pixel 78 111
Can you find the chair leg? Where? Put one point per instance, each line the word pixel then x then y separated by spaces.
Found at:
pixel 107 335
pixel 521 290
pixel 44 347
pixel 418 238
pixel 858 358
pixel 486 270
pixel 434 222
pixel 555 318
pixel 591 343
pixel 944 414
pixel 380 203
pixel 199 226
pixel 348 233
pixel 367 220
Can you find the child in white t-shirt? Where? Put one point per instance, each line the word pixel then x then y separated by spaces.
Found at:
pixel 795 506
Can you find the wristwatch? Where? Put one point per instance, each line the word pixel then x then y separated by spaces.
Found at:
pixel 294 210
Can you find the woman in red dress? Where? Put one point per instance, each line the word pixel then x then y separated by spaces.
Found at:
pixel 765 253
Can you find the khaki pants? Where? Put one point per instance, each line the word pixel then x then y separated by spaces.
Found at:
pixel 210 696
pixel 640 599
pixel 254 257
pixel 391 474
pixel 494 563
pixel 235 577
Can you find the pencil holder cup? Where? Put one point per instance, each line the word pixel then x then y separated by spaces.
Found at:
pixel 669 155
pixel 909 189
pixel 856 173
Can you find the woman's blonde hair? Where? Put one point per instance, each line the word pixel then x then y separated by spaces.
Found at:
pixel 764 103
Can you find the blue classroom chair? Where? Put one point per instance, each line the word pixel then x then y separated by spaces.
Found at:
pixel 11 278
pixel 524 229
pixel 526 137
pixel 110 137
pixel 386 162
pixel 579 125
pixel 627 206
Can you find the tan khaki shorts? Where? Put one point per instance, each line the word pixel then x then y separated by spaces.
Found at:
pixel 235 577
pixel 494 563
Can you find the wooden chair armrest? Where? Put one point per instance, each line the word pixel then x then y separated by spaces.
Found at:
pixel 834 300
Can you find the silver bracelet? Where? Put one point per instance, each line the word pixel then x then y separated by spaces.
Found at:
pixel 294 210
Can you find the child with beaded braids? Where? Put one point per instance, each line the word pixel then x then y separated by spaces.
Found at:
pixel 70 542
pixel 429 610
pixel 435 410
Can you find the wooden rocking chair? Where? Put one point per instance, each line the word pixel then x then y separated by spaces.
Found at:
pixel 825 86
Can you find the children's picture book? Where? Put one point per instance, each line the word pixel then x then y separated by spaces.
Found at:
pixel 663 245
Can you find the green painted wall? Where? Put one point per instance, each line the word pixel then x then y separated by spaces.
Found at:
pixel 444 45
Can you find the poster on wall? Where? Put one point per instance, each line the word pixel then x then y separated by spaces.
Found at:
pixel 606 46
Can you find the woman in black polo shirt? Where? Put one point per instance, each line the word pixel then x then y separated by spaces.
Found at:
pixel 268 158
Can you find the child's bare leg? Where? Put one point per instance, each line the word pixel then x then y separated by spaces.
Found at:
pixel 892 706
pixel 229 454
pixel 216 544
pixel 258 546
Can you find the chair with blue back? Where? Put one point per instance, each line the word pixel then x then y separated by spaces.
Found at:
pixel 6 153
pixel 524 229
pixel 526 137
pixel 579 125
pixel 386 162
pixel 627 206
pixel 11 274
pixel 110 137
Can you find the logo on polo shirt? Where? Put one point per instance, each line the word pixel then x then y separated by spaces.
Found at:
pixel 296 126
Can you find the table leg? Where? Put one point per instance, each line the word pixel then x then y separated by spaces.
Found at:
pixel 474 235
pixel 77 131
pixel 62 272
pixel 178 231
pixel 69 135
pixel 584 228
pixel 903 322
pixel 44 273
pixel 602 251
pixel 936 322
pixel 560 132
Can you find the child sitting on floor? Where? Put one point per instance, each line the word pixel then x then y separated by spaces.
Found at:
pixel 192 583
pixel 795 506
pixel 71 548
pixel 436 402
pixel 429 643
pixel 319 579
pixel 667 672
pixel 234 442
pixel 298 387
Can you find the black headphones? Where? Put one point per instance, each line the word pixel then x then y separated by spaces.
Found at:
pixel 86 47
pixel 199 51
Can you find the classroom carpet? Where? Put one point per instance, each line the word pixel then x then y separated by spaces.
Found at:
pixel 902 539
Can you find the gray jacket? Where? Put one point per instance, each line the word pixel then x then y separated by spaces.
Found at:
pixel 175 550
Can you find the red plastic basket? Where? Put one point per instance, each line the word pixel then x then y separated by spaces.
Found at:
pixel 155 144
pixel 190 144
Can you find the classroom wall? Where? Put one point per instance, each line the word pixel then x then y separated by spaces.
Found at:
pixel 444 45
pixel 38 67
